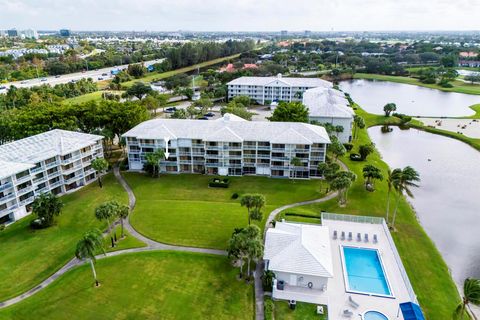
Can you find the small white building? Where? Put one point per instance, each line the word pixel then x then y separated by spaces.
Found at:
pixel 301 258
pixel 328 105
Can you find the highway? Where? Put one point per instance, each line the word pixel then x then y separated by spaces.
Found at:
pixel 96 75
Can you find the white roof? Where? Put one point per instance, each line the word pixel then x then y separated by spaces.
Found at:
pixel 327 102
pixel 22 154
pixel 227 129
pixel 279 80
pixel 300 249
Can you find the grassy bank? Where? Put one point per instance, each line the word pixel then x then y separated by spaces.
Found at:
pixel 153 76
pixel 458 86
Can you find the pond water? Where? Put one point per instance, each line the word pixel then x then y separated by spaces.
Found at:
pixel 413 100
pixel 448 200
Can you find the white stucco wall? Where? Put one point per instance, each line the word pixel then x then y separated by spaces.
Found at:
pixel 346 123
pixel 302 280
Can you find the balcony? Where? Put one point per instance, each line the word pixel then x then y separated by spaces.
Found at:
pixel 263 156
pixel 249 147
pixel 89 172
pixel 148 145
pixel 26 201
pixel 185 161
pixel 56 184
pixel 37 169
pixel 280 158
pixel 207 147
pixel 52 164
pixel 213 156
pixel 263 148
pixel 23 179
pixel 24 190
pixel 7 198
pixel 198 145
pixel 72 179
pixel 54 174
pixel 42 190
pixel 40 179
pixel 302 150
pixel 72 159
pixel 210 165
pixel 6 186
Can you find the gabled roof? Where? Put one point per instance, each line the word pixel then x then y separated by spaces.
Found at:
pixel 300 249
pixel 327 102
pixel 230 128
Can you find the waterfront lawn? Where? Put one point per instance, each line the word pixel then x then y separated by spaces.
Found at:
pixel 148 285
pixel 425 267
pixel 29 256
pixel 183 210
pixel 458 86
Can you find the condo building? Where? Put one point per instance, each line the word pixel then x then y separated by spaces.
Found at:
pixel 56 161
pixel 230 146
pixel 265 90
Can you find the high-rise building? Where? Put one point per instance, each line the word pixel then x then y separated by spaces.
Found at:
pixel 30 33
pixel 307 33
pixel 12 33
pixel 284 33
pixel 65 32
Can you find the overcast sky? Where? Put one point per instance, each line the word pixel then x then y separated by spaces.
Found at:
pixel 241 15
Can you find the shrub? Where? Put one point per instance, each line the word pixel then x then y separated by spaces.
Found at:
pixel 267 280
pixel 268 308
pixel 38 224
pixel 219 183
pixel 235 195
pixel 348 146
pixel 2 227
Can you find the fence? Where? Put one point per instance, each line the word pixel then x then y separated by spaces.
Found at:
pixel 381 221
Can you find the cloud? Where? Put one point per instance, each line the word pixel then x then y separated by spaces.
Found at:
pixel 249 15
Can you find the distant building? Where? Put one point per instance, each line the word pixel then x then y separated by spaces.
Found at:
pixel 328 105
pixel 231 68
pixel 469 63
pixel 271 89
pixel 56 161
pixel 307 33
pixel 284 33
pixel 64 32
pixel 468 54
pixel 30 34
pixel 12 33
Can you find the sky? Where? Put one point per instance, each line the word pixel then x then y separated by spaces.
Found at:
pixel 240 15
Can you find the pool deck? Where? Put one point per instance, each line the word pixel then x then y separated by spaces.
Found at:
pixel 338 297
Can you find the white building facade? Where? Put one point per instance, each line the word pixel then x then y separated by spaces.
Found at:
pixel 265 90
pixel 328 105
pixel 230 146
pixel 56 161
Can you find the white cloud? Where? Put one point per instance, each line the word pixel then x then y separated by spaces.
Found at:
pixel 267 15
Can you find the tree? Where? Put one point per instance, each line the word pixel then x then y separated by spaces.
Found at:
pixel 152 165
pixel 471 294
pixel 88 246
pixel 389 108
pixel 246 244
pixel 390 178
pixel 162 101
pixel 122 212
pixel 254 204
pixel 47 206
pixel 337 148
pixel 370 174
pixel 107 211
pixel 100 165
pixel 237 109
pixel 403 181
pixel 179 114
pixel 473 78
pixel 358 123
pixel 290 112
pixel 365 150
pixel 151 103
pixel 138 90
pixel 295 162
pixel 342 182
pixel 136 70
pixel 204 104
pixel 192 111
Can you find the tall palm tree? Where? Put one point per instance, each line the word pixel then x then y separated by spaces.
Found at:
pixel 390 187
pixel 153 159
pixel 254 204
pixel 123 212
pixel 248 201
pixel 471 294
pixel 370 174
pixel 403 181
pixel 88 246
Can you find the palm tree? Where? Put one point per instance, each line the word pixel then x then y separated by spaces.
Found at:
pixel 370 174
pixel 248 201
pixel 123 212
pixel 390 178
pixel 254 204
pixel 403 181
pixel 359 123
pixel 152 160
pixel 295 162
pixel 471 294
pixel 91 242
pixel 342 183
pixel 100 165
pixel 107 211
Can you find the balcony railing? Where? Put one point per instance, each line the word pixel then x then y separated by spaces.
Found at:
pixel 56 184
pixel 7 198
pixel 6 186
pixel 23 179
pixel 52 164
pixel 36 169
pixel 26 201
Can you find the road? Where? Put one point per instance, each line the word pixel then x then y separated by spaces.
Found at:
pixel 96 75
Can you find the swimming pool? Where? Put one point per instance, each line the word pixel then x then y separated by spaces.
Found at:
pixel 364 272
pixel 374 315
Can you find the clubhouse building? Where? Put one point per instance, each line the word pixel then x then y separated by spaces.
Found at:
pixel 230 146
pixel 56 161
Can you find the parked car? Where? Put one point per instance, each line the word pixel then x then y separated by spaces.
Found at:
pixel 100 78
pixel 43 79
pixel 24 81
pixel 57 76
pixel 104 74
pixel 170 110
pixel 210 114
pixel 3 88
pixel 203 118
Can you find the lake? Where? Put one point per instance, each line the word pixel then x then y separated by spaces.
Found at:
pixel 413 100
pixel 448 201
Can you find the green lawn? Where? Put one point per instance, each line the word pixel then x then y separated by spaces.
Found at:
pixel 458 86
pixel 181 209
pixel 154 76
pixel 93 96
pixel 149 285
pixel 426 269
pixel 126 243
pixel 303 311
pixel 27 257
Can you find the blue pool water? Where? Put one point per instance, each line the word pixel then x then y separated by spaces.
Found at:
pixel 364 271
pixel 374 315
